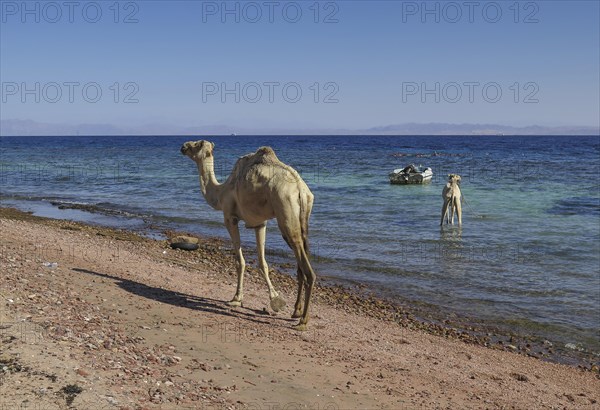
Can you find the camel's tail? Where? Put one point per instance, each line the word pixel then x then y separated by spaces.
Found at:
pixel 306 203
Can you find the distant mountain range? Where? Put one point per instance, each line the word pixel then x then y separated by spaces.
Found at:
pixel 30 128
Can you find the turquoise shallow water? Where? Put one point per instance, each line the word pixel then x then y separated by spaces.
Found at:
pixel 527 257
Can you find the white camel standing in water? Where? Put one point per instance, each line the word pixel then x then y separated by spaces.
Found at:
pixel 452 200
pixel 260 188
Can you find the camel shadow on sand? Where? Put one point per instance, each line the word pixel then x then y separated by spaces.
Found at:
pixel 187 301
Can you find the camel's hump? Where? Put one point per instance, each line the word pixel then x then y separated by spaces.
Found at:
pixel 262 156
pixel 264 151
pixel 265 154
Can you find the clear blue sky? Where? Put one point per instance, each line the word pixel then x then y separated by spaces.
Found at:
pixel 372 59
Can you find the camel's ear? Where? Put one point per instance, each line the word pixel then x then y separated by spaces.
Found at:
pixel 213 145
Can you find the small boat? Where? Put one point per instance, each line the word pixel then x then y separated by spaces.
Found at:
pixel 411 175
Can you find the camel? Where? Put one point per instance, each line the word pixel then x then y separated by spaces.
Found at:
pixel 452 200
pixel 261 188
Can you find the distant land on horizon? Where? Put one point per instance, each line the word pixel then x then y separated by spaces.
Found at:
pixel 33 128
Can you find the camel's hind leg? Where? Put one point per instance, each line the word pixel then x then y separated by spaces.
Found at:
pixel 277 302
pixel 234 233
pixel 458 207
pixel 444 210
pixel 298 306
pixel 309 279
pixel 290 227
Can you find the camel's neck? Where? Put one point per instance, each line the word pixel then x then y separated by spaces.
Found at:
pixel 209 185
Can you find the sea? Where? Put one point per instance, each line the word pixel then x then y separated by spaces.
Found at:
pixel 526 258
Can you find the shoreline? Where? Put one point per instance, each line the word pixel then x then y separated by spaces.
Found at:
pixel 368 301
pixel 360 349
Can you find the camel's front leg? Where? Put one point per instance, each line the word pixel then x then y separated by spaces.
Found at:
pixel 459 211
pixel 277 302
pixel 234 233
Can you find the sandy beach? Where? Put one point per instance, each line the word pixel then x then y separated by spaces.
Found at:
pixel 126 322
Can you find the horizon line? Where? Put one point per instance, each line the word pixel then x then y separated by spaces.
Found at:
pixel 302 135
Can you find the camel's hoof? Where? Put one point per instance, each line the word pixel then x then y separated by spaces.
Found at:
pixel 235 303
pixel 297 314
pixel 301 327
pixel 277 303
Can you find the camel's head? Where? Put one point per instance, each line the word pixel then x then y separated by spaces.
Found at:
pixel 198 150
pixel 454 178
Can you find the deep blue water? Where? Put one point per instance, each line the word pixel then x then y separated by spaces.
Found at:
pixel 527 256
